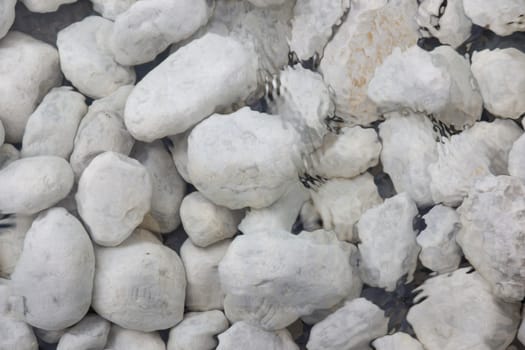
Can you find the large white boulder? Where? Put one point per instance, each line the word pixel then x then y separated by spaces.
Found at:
pixel 12 242
pixel 7 16
pixel 198 331
pixel 503 17
pixel 90 333
pixel 16 334
pixel 44 6
pixel 242 335
pixel 397 341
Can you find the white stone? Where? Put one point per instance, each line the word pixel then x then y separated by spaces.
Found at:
pixel 29 69
pixel 54 274
pixel 179 152
pixel 517 158
pixel 44 6
pixel 90 333
pixel 205 222
pixel 52 127
pixel 147 28
pixel 367 36
pixel 110 9
pixel 388 245
pixel 351 327
pixel 203 290
pixel 127 339
pixel 8 154
pixel 503 17
pixel 102 129
pixel 521 332
pixel 12 242
pixel 16 334
pixel 7 16
pixel 341 202
pixel 491 234
pixel 242 335
pixel 500 74
pixel 348 154
pixel 188 86
pixel 114 194
pixel 140 274
pixel 477 152
pixel 2 133
pixel 397 341
pixel 86 60
pixel 49 337
pixel 458 311
pixel 32 184
pixel 167 185
pixel 310 217
pixel 439 250
pixel 222 165
pixel 198 331
pixel 312 25
pixel 445 21
pixel 266 3
pixel 267 276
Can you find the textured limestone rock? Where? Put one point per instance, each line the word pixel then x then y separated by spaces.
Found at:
pixel 140 274
pixel 90 333
pixel 86 60
pixel 491 234
pixel 341 202
pixel 168 187
pixel 32 184
pixel 517 157
pixel 102 129
pixel 110 9
pixel 7 16
pixel 29 69
pixel 243 336
pixel 460 312
pixel 12 242
pixel 221 162
pixel 8 154
pixel 351 327
pixel 388 245
pixel 45 5
pixel 502 17
pixel 267 276
pixel 205 222
pixel 16 334
pixel 114 193
pixel 157 107
pixel 52 127
pixel 198 331
pixel 500 74
pixel 367 36
pixel 54 274
pixel 203 291
pixel 127 339
pixel 439 250
pixel 397 341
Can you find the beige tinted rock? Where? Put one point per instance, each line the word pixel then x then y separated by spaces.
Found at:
pixel 7 16
pixel 110 9
pixel 205 222
pixel 29 69
pixel 45 5
pixel 243 336
pixel 52 127
pixel 32 184
pixel 397 341
pixel 12 242
pixel 140 274
pixel 197 331
pixel 503 17
pixel 127 339
pixel 16 334
pixel 54 274
pixel 8 154
pixel 90 333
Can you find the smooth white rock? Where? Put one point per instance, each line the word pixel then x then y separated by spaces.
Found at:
pixel 89 334
pixel 179 152
pixel 521 332
pixel 147 28
pixel 517 158
pixel 86 60
pixel 114 193
pixel 503 17
pixel 198 331
pixel 206 223
pixel 500 74
pixel 12 242
pixel 341 202
pixel 32 184
pixel 445 21
pixel 397 341
pixel 388 245
pixel 367 36
pixel 16 334
pixel 54 274
pixel 439 250
pixel 29 69
pixel 491 234
pixel 102 129
pixel 460 312
pixel 44 6
pixel 242 335
pixel 312 25
pixel 203 289
pixel 7 16
pixel 140 274
pixel 8 154
pixel 168 188
pixel 310 217
pixel 267 276
pixel 110 9
pixel 127 339
pixel 183 90
pixel 221 162
pixel 51 128
pixel 351 327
